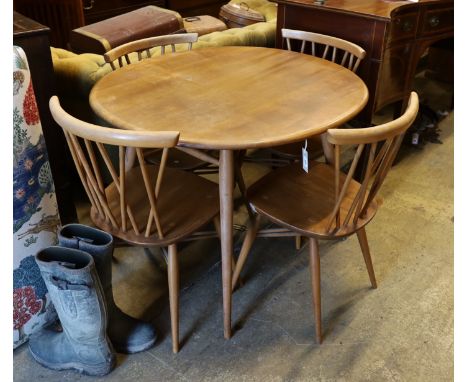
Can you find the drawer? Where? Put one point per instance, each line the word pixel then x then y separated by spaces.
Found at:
pixel 436 21
pixel 403 26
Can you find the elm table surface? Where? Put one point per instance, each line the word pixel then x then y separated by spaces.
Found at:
pixel 230 98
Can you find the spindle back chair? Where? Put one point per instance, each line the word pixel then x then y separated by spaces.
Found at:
pixel 147 205
pixel 122 56
pixel 342 52
pixel 334 49
pixel 326 203
pixel 143 48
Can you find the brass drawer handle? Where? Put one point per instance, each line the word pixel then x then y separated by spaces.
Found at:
pixel 407 26
pixel 434 21
pixel 90 6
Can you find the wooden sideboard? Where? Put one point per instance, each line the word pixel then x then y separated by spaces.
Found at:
pixel 395 34
pixel 34 39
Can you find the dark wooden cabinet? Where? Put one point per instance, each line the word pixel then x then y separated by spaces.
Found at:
pixel 97 10
pixel 33 38
pixel 394 35
pixel 60 16
pixel 196 7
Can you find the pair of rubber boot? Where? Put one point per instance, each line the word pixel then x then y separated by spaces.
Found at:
pixel 78 276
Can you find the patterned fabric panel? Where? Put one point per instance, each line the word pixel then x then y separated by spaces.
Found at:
pixel 35 212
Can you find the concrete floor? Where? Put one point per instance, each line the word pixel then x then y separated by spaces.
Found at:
pixel 402 331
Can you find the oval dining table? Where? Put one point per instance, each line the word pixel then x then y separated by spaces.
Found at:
pixel 229 99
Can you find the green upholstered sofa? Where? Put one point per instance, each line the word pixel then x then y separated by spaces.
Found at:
pixel 76 73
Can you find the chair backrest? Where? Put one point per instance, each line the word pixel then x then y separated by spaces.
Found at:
pixel 84 138
pixel 144 45
pixel 330 48
pixel 384 141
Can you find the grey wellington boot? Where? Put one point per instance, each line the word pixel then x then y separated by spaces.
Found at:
pixel 127 334
pixel 75 291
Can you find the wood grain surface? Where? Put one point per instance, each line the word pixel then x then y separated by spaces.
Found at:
pixel 231 97
pixel 370 8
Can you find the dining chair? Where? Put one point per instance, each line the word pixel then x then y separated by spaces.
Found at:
pixel 326 203
pixel 138 50
pixel 149 205
pixel 342 52
pixel 198 161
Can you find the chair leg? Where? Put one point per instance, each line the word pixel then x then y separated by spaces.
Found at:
pixel 362 237
pixel 173 279
pixel 246 245
pixel 315 275
pixel 298 242
pixel 327 148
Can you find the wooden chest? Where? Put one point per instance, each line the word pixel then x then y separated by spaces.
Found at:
pixel 239 15
pixel 104 35
pixel 203 24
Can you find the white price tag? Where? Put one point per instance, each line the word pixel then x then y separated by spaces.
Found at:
pixel 305 158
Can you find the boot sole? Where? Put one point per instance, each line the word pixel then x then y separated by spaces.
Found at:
pixel 135 348
pixel 94 370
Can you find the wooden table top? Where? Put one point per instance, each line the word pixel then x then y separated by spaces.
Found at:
pixel 231 97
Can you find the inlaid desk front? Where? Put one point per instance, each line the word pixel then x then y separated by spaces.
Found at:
pixel 393 33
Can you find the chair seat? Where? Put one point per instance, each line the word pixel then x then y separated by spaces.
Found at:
pixel 186 202
pixel 304 202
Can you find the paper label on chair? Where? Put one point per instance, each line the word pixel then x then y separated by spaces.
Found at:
pixel 305 160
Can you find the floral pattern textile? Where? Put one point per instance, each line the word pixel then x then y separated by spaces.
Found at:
pixel 35 212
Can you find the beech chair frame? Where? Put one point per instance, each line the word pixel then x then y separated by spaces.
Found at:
pixel 199 161
pixel 346 54
pixel 354 205
pixel 143 47
pixel 194 160
pixel 342 52
pixel 121 209
pixel 333 49
pixel 351 54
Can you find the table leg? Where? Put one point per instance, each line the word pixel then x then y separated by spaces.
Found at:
pixel 226 187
